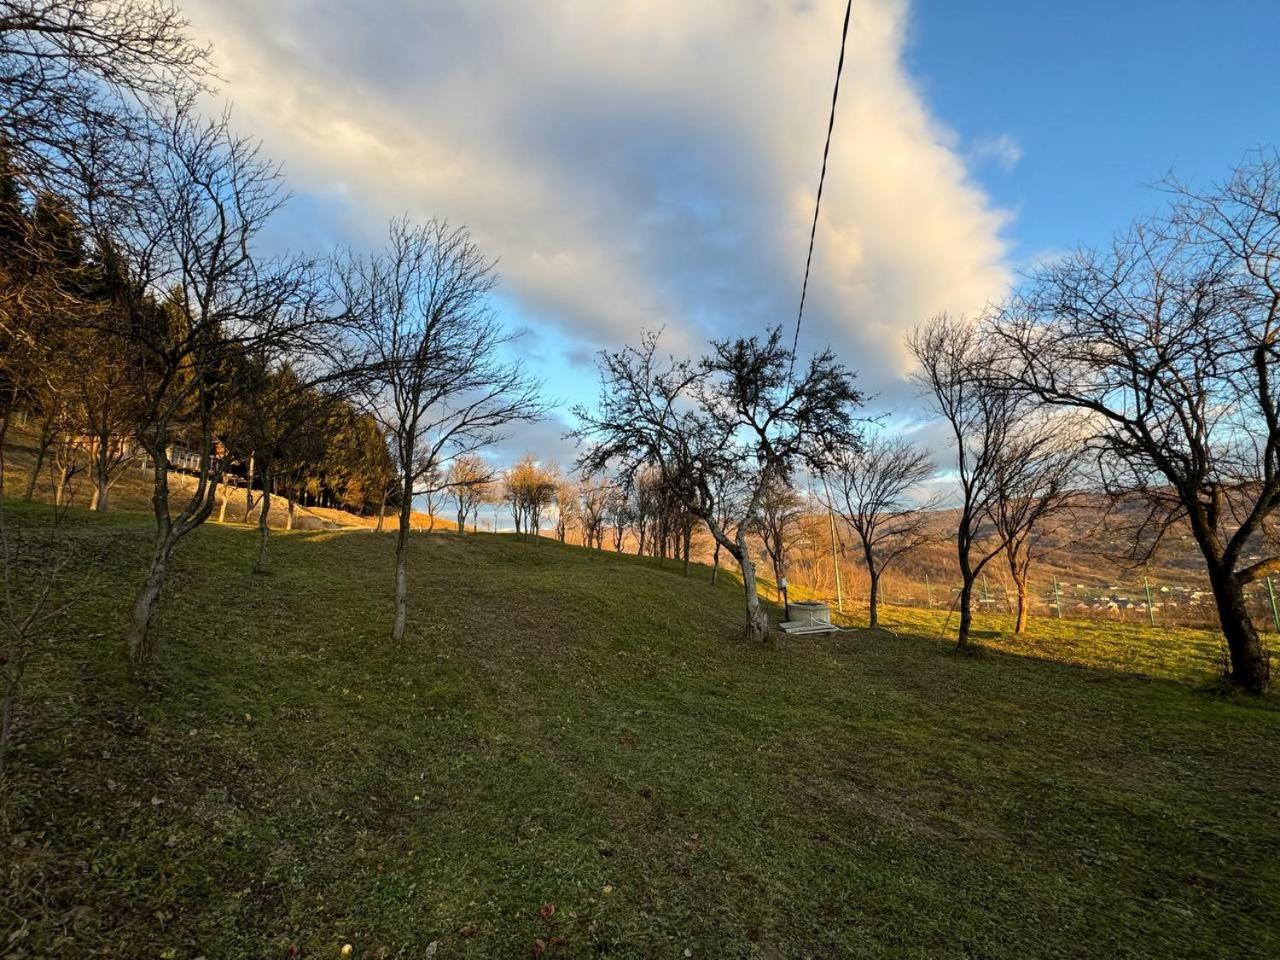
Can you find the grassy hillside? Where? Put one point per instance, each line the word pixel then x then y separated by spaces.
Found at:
pixel 133 489
pixel 572 755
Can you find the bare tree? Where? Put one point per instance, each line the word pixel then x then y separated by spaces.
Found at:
pixel 593 508
pixel 86 384
pixel 196 299
pixel 644 485
pixel 1036 478
pixel 1166 345
pixel 970 395
pixel 467 482
pixel 78 79
pixel 728 494
pixel 678 521
pixel 106 405
pixel 431 487
pixel 539 494
pixel 567 507
pixel 740 407
pixel 618 512
pixel 39 286
pixel 529 487
pixel 513 497
pixel 442 387
pixel 780 511
pixel 872 491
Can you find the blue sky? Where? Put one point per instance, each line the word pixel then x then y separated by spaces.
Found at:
pixel 1102 98
pixel 646 163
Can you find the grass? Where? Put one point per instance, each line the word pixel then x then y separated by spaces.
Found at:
pixel 1185 654
pixel 572 755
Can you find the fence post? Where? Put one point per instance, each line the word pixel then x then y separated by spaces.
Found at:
pixel 1271 595
pixel 1151 613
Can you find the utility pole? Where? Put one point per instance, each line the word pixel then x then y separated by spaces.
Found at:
pixel 1275 614
pixel 928 592
pixel 1057 598
pixel 1151 613
pixel 835 558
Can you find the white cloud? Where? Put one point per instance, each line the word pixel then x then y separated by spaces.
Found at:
pixel 634 164
pixel 1004 151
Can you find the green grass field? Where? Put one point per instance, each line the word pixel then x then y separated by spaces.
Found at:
pixel 573 755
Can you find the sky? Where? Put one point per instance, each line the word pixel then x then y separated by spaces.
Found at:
pixel 642 164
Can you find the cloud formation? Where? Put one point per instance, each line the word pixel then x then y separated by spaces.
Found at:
pixel 1004 151
pixel 633 164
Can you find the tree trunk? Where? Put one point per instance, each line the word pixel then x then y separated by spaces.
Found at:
pixel 33 476
pixel 264 530
pixel 966 614
pixel 757 625
pixel 42 448
pixel 226 495
pixel 1250 669
pixel 1019 561
pixel 715 563
pixel 402 561
pixel 248 491
pixel 101 480
pixel 60 485
pixel 873 598
pixel 1020 586
pixel 382 513
pixel 141 641
pixel 290 513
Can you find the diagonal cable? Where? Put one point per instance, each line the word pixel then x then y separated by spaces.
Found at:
pixel 822 177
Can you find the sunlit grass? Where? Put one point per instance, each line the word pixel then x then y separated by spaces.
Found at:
pixel 570 728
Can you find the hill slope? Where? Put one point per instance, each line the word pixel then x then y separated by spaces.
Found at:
pixel 571 754
pixel 132 491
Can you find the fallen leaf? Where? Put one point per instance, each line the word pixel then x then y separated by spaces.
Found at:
pixel 546 910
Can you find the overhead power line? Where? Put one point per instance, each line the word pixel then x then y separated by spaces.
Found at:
pixel 822 177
